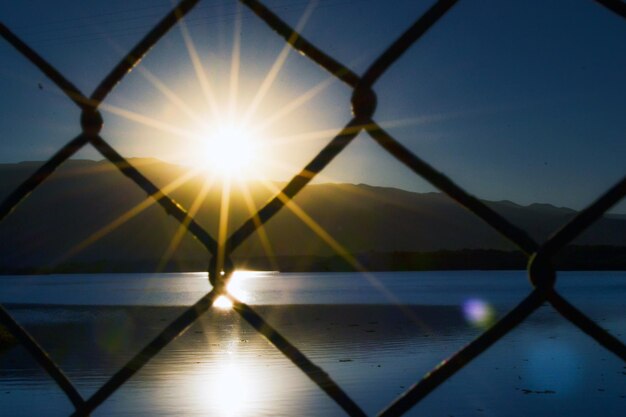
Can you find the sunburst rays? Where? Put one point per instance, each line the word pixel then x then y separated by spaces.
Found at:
pixel 200 71
pixel 325 236
pixel 266 244
pixel 228 111
pixel 182 227
pixel 235 63
pixel 128 215
pixel 216 114
pixel 277 66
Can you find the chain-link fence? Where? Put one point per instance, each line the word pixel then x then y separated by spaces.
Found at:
pixel 541 273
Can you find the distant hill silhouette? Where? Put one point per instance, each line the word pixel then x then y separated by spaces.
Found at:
pixel 46 231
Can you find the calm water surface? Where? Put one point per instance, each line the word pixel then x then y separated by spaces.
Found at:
pixel 352 325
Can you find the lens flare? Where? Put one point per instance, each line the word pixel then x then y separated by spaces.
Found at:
pixel 479 313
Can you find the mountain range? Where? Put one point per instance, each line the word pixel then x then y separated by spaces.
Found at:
pixel 62 225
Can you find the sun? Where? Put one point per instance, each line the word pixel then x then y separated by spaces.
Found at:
pixel 228 151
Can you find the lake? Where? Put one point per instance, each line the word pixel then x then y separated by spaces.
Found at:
pixel 375 334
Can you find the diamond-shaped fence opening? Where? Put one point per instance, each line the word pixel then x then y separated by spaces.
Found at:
pixel 540 270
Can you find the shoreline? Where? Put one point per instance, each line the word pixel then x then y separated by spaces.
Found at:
pixel 571 258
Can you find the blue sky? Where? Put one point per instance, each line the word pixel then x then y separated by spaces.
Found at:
pixel 524 101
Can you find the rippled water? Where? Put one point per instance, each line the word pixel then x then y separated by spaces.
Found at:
pixel 349 324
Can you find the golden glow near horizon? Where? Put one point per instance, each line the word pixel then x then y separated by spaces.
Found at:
pixel 223 303
pixel 236 285
pixel 236 288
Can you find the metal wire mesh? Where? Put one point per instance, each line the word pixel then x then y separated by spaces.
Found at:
pixel 541 273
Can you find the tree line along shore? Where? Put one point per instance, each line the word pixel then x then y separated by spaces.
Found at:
pixel 584 258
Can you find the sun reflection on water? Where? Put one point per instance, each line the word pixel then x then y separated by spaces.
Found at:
pixel 237 288
pixel 231 391
pixel 223 389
